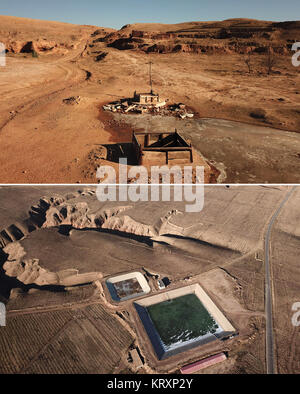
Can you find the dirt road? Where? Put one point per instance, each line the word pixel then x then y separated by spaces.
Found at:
pixel 269 301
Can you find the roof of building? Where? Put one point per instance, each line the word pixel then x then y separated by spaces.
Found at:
pixel 136 358
pixel 206 362
pixel 147 94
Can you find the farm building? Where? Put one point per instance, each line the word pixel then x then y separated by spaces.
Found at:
pixel 136 359
pixel 165 148
pixel 148 99
pixel 206 362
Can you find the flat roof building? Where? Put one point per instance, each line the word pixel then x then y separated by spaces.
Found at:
pixel 136 359
pixel 148 99
pixel 206 362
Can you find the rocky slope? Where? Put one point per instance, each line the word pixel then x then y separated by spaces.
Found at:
pixel 69 210
pixel 229 36
pixel 231 233
pixel 23 35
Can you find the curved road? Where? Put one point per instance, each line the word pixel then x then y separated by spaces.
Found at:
pixel 270 358
pixel 24 84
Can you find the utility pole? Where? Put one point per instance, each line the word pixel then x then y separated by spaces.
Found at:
pixel 150 75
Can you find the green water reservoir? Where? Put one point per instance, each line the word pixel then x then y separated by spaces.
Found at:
pixel 181 319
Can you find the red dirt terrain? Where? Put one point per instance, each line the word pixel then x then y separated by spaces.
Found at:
pixel 47 139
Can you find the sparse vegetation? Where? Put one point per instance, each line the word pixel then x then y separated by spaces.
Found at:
pixel 248 62
pixel 270 60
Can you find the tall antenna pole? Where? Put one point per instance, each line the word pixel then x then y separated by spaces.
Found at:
pixel 150 75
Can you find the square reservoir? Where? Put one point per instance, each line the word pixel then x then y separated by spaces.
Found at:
pixel 127 286
pixel 181 319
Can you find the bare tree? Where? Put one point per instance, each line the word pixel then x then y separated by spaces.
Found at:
pixel 271 60
pixel 248 61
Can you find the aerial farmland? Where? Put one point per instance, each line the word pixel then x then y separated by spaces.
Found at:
pixel 65 254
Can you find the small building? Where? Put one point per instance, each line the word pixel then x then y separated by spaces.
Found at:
pixel 161 284
pixel 161 148
pixel 206 362
pixel 136 359
pixel 147 99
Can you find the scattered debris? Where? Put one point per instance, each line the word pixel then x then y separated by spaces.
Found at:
pixel 180 110
pixel 160 107
pixel 148 103
pixel 72 100
pixel 150 274
pixel 139 103
pixel 151 103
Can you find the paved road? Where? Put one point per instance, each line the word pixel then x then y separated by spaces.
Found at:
pixel 270 358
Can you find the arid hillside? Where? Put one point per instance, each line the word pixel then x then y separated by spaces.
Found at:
pixel 229 36
pixel 58 76
pixel 22 35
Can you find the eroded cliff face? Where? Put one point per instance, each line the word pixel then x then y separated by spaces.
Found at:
pixel 231 36
pixel 80 210
pixel 38 46
pixel 172 47
pixel 161 230
pixel 72 210
pixel 24 35
pixel 31 271
pixel 27 271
